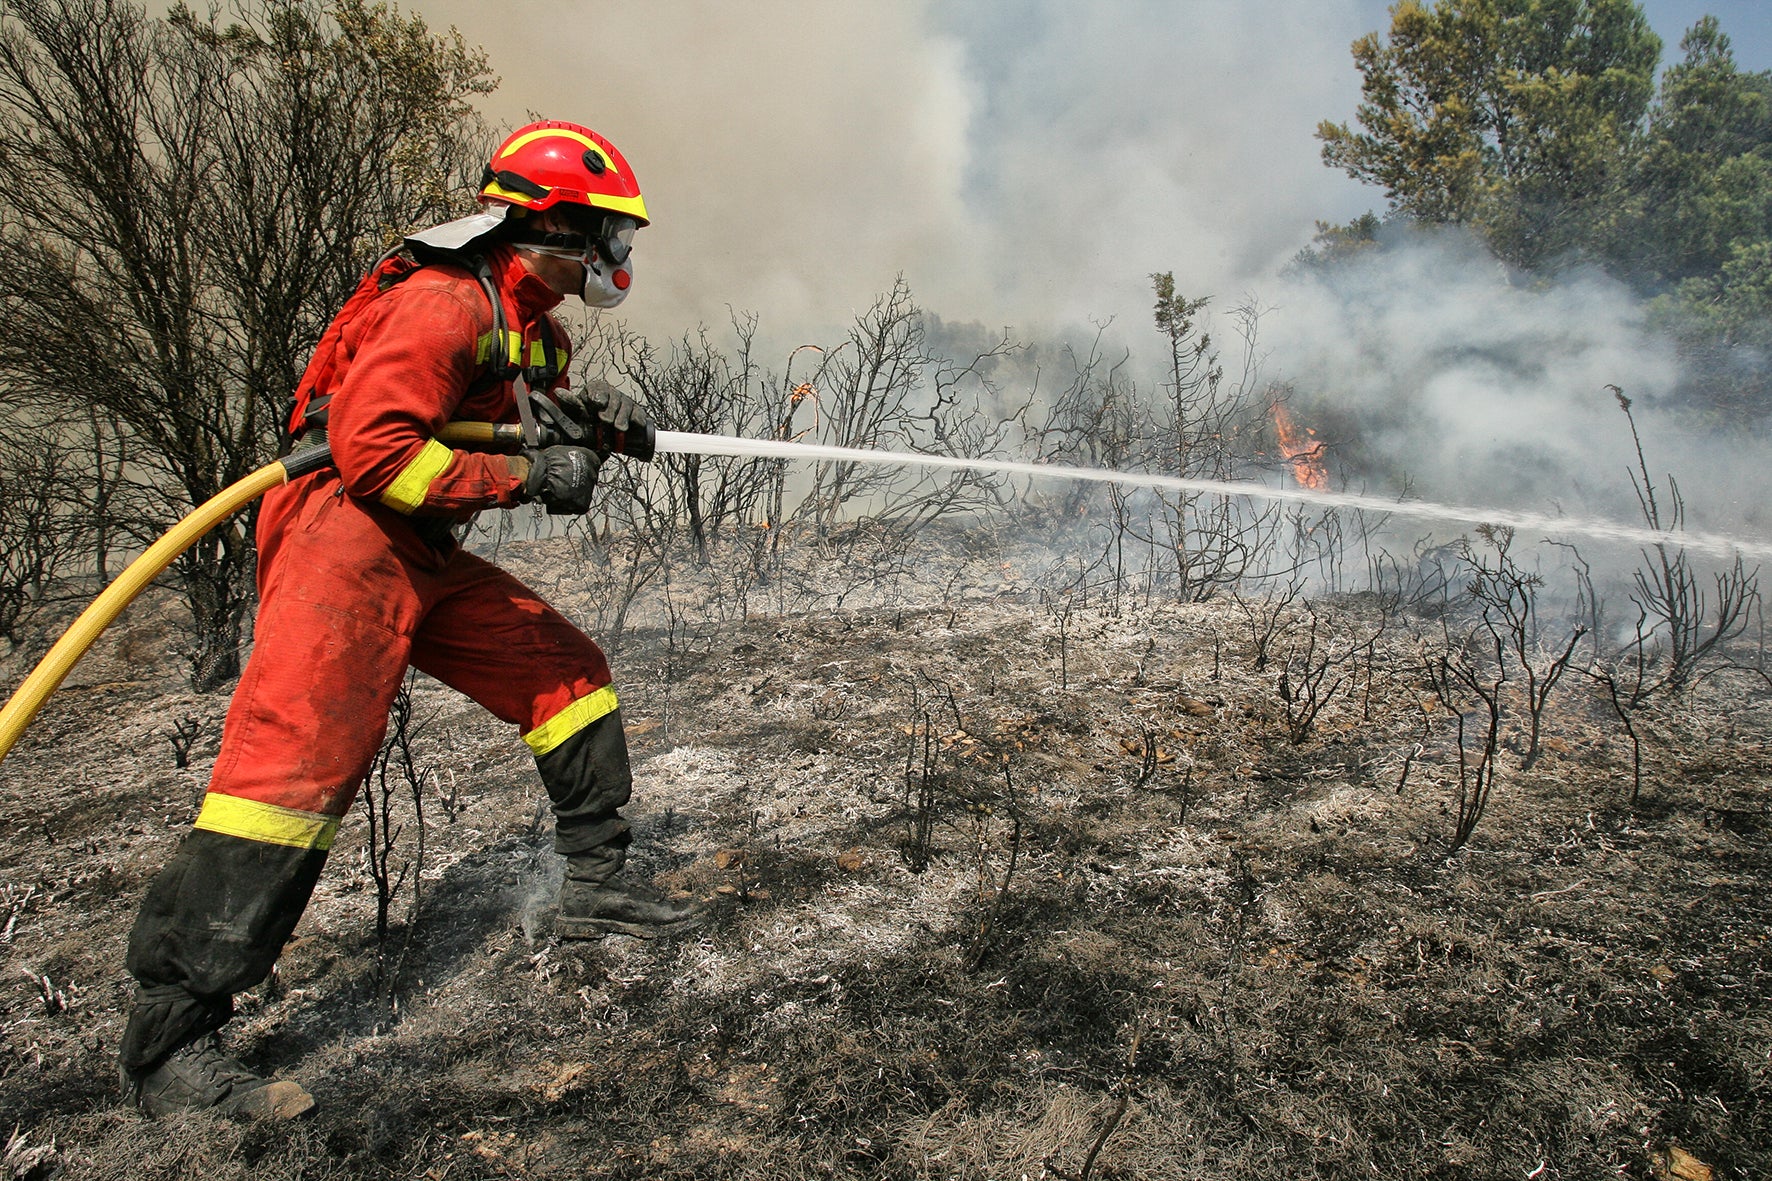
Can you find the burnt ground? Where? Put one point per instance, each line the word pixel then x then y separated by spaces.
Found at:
pixel 1000 891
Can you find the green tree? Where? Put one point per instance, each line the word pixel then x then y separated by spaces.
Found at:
pixel 1697 231
pixel 1334 244
pixel 1704 185
pixel 1514 117
pixel 187 202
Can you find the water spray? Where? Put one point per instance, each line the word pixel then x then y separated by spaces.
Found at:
pixel 643 443
pixel 1722 545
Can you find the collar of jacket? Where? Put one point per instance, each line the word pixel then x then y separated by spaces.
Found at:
pixel 528 294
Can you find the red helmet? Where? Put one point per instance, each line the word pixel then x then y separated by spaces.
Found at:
pixel 544 164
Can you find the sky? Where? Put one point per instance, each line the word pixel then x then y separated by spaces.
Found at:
pixel 1028 164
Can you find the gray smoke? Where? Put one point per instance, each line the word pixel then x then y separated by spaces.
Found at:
pixel 1463 383
pixel 1021 162
pixel 1029 163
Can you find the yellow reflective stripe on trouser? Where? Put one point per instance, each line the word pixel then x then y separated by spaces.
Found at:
pixel 270 823
pixel 571 720
pixel 408 490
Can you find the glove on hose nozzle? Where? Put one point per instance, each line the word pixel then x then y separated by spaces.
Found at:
pixel 600 417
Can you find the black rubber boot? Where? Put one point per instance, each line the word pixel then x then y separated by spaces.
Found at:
pixel 211 925
pixel 199 1076
pixel 598 898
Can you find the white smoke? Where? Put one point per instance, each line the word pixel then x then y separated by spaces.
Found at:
pixel 1471 384
pixel 1461 382
pixel 1021 162
pixel 1029 163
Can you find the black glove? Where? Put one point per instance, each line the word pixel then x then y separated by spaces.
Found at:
pixel 602 402
pixel 562 478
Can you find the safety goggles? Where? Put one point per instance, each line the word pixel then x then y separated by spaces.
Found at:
pixel 609 239
pixel 616 240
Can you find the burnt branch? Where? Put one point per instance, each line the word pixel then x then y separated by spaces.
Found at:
pixel 184 734
pixel 1669 589
pixel 1469 686
pixel 1506 596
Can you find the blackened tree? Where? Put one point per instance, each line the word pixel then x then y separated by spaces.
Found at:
pixel 188 200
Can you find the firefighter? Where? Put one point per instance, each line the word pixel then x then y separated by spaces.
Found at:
pixel 360 576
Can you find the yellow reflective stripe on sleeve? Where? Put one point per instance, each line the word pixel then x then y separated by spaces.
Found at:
pixel 571 720
pixel 538 353
pixel 273 825
pixel 408 490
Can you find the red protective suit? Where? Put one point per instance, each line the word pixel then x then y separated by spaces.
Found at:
pixel 358 579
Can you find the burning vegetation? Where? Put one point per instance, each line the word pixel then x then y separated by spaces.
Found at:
pixel 1051 831
pixel 1301 450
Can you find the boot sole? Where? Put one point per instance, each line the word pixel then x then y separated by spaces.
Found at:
pixel 577 928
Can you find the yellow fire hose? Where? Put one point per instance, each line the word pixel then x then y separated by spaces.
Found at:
pixel 29 697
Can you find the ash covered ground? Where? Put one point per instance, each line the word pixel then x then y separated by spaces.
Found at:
pixel 1006 884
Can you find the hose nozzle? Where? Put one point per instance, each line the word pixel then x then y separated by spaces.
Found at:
pixel 637 442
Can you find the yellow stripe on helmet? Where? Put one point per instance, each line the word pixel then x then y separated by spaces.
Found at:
pixel 494 189
pixel 575 137
pixel 634 207
pixel 270 824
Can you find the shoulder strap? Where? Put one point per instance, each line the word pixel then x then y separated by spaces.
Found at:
pixel 307 406
pixel 504 364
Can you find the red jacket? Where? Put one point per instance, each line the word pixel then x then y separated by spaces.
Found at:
pixel 406 366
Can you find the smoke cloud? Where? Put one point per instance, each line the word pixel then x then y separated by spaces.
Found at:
pixel 1029 163
pixel 1024 162
pixel 1446 375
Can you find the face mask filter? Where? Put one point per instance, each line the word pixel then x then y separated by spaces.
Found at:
pixel 606 285
pixel 606 253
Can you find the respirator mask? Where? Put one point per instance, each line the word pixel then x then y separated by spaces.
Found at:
pixel 606 253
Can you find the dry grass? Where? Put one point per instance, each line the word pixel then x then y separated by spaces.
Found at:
pixel 1251 958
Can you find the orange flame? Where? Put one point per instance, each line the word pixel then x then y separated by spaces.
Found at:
pixel 803 392
pixel 1304 451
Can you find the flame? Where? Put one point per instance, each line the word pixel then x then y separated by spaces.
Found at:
pixel 804 392
pixel 1304 451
